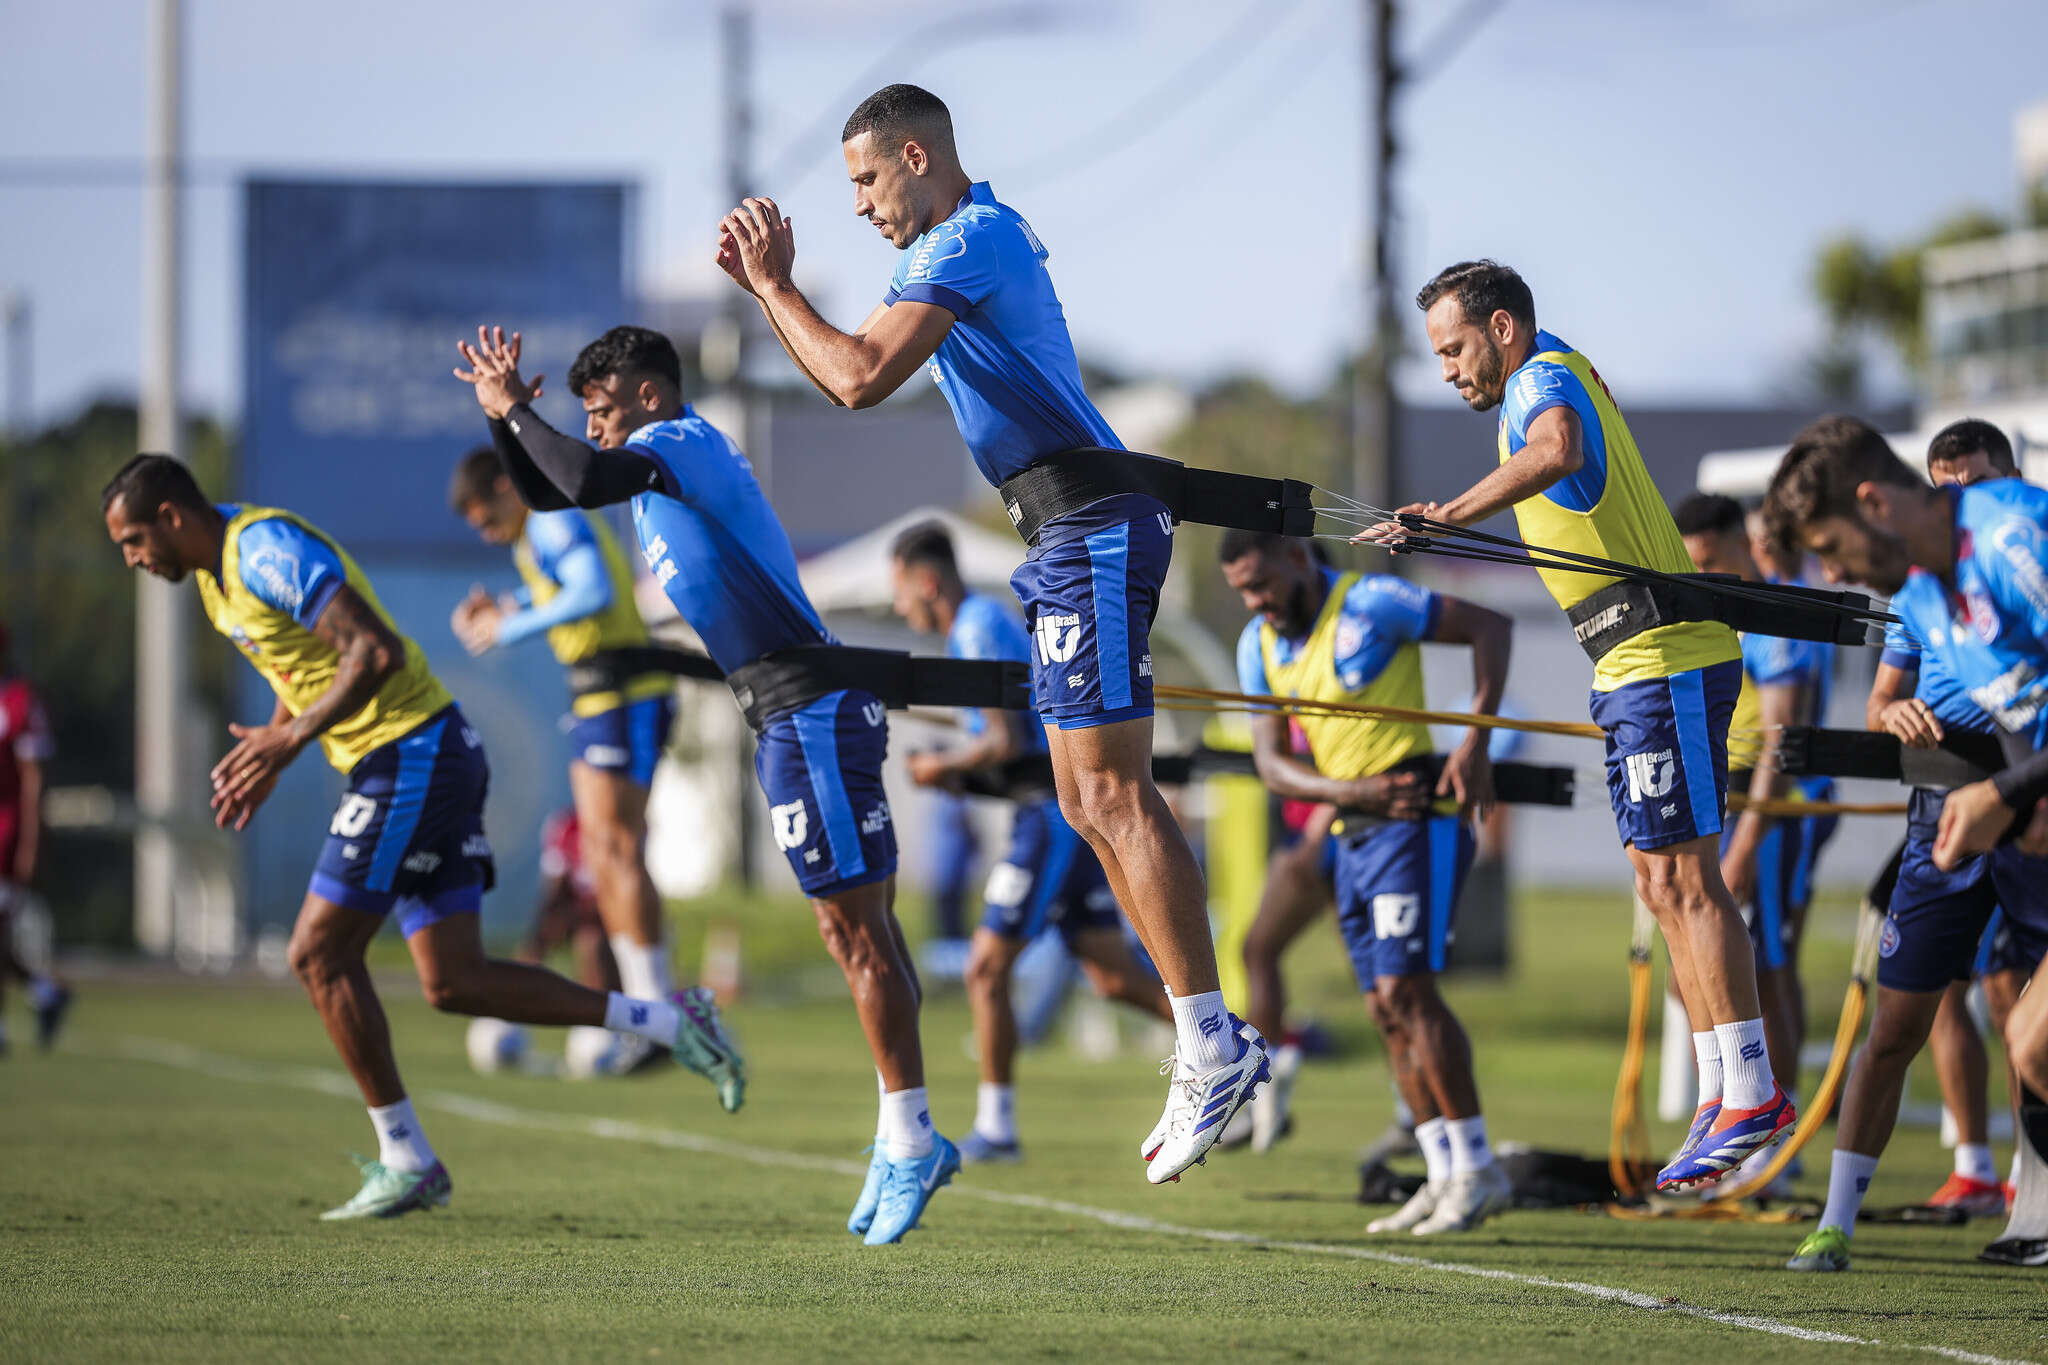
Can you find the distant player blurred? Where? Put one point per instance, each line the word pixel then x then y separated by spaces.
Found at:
pixel 408 836
pixel 25 746
pixel 566 915
pixel 1048 879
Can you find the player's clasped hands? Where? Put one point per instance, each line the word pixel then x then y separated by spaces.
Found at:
pixel 245 777
pixel 494 372
pixel 1912 722
pixel 476 621
pixel 756 245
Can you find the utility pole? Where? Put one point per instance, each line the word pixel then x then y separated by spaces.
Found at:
pixel 162 628
pixel 19 314
pixel 736 69
pixel 1373 403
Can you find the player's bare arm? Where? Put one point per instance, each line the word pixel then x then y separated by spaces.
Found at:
pixel 1468 770
pixel 367 653
pixel 1001 741
pixel 1894 709
pixel 1555 451
pixel 28 839
pixel 728 259
pixel 1398 796
pixel 857 369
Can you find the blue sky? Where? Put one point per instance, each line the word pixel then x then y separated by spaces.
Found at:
pixel 1661 173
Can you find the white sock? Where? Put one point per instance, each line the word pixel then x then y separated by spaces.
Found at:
pixel 1973 1162
pixel 663 967
pixel 1745 1064
pixel 995 1111
pixel 881 1114
pixel 1706 1050
pixel 1436 1149
pixel 654 1020
pixel 643 970
pixel 908 1120
pixel 1469 1149
pixel 1203 1037
pixel 43 991
pixel 1404 1117
pixel 401 1145
pixel 1848 1181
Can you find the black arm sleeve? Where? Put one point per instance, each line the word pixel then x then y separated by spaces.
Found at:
pixel 2023 783
pixel 570 473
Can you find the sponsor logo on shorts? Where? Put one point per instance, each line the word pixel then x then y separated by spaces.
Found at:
pixel 874 711
pixel 476 846
pixel 1395 914
pixel 351 851
pixel 1058 636
pixel 422 862
pixel 1008 884
pixel 1888 941
pixel 353 816
pixel 606 755
pixel 1651 775
pixel 876 820
pixel 791 823
pixel 1076 680
pixel 1668 810
pixel 812 855
pixel 1165 522
pixel 1145 667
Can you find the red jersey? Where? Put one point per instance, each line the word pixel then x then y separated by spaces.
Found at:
pixel 24 738
pixel 561 855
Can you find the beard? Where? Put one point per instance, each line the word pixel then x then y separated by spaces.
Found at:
pixel 1488 379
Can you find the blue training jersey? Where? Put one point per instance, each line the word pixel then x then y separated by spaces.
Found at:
pixel 985 628
pixel 1007 367
pixel 1380 614
pixel 1990 632
pixel 1933 684
pixel 716 548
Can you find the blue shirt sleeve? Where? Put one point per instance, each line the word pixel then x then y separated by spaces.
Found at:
pixel 1901 647
pixel 1251 661
pixel 1536 388
pixel 1381 613
pixel 955 267
pixel 670 450
pixel 2014 559
pixel 550 535
pixel 289 569
pixel 586 591
pixel 1773 661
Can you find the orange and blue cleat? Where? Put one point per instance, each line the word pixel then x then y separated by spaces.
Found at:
pixel 1726 1140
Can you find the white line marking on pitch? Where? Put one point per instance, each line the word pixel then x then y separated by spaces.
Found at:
pixel 335 1083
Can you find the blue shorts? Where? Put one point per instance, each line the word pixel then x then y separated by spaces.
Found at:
pixel 1089 598
pixel 1667 753
pixel 1397 894
pixel 1048 879
pixel 626 739
pixel 1819 829
pixel 410 828
pixel 1937 920
pixel 1772 916
pixel 821 769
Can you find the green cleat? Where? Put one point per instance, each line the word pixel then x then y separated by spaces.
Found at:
pixel 1825 1249
pixel 387 1193
pixel 702 1045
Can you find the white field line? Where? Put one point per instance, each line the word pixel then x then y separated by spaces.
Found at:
pixel 337 1084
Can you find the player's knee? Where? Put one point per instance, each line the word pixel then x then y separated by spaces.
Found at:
pixel 1895 1040
pixel 1405 1000
pixel 987 974
pixel 1101 803
pixel 316 965
pixel 451 991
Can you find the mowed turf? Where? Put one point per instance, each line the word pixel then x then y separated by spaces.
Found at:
pixel 164 1171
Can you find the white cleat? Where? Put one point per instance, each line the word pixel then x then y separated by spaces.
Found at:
pixel 1199 1104
pixel 1269 1107
pixel 1419 1207
pixel 1156 1139
pixel 1467 1200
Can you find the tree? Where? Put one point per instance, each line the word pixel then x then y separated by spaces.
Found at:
pixel 1863 289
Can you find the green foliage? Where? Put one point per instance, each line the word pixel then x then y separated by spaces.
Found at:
pixel 1863 288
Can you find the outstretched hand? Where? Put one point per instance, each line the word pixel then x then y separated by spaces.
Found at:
pixel 494 372
pixel 1390 535
pixel 756 246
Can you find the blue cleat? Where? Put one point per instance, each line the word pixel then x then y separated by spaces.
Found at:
pixel 1728 1139
pixel 907 1186
pixel 870 1192
pixel 976 1150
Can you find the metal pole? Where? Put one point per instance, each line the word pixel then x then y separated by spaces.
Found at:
pixel 736 49
pixel 162 627
pixel 20 313
pixel 1373 398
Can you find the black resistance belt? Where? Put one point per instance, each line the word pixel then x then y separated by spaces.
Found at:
pixel 613 669
pixel 1962 758
pixel 1066 482
pixel 788 678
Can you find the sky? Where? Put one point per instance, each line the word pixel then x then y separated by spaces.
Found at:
pixel 1662 174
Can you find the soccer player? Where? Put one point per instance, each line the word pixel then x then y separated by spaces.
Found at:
pixel 973 300
pixel 715 546
pixel 1665 697
pixel 1048 878
pixel 1760 855
pixel 408 835
pixel 579 592
pixel 1404 846
pixel 568 913
pixel 1964 568
pixel 24 748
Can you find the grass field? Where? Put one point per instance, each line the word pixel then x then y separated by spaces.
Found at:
pixel 163 1172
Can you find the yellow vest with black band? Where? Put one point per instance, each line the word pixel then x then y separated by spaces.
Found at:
pixel 617 626
pixel 299 665
pixel 1629 523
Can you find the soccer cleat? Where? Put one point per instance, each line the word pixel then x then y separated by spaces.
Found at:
pixel 1238 1132
pixel 1270 1121
pixel 2020 1251
pixel 1978 1198
pixel 638 1057
pixel 1199 1104
pixel 387 1193
pixel 1825 1249
pixel 1731 1138
pixel 863 1215
pixel 1467 1199
pixel 701 1044
pixel 50 1012
pixel 907 1186
pixel 1420 1205
pixel 976 1150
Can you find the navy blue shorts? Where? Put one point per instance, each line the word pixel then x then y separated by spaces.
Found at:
pixel 409 831
pixel 1667 753
pixel 1048 879
pixel 1397 894
pixel 821 769
pixel 1772 916
pixel 1937 920
pixel 626 739
pixel 1819 829
pixel 1090 599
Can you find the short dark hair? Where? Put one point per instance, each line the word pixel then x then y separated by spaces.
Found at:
pixel 475 478
pixel 1819 475
pixel 1239 542
pixel 1482 289
pixel 929 544
pixel 627 352
pixel 1960 440
pixel 897 112
pixel 147 482
pixel 1709 514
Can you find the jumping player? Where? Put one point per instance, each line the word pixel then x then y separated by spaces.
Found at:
pixel 1048 878
pixel 1665 697
pixel 408 835
pixel 1404 846
pixel 25 747
pixel 579 592
pixel 972 299
pixel 715 546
